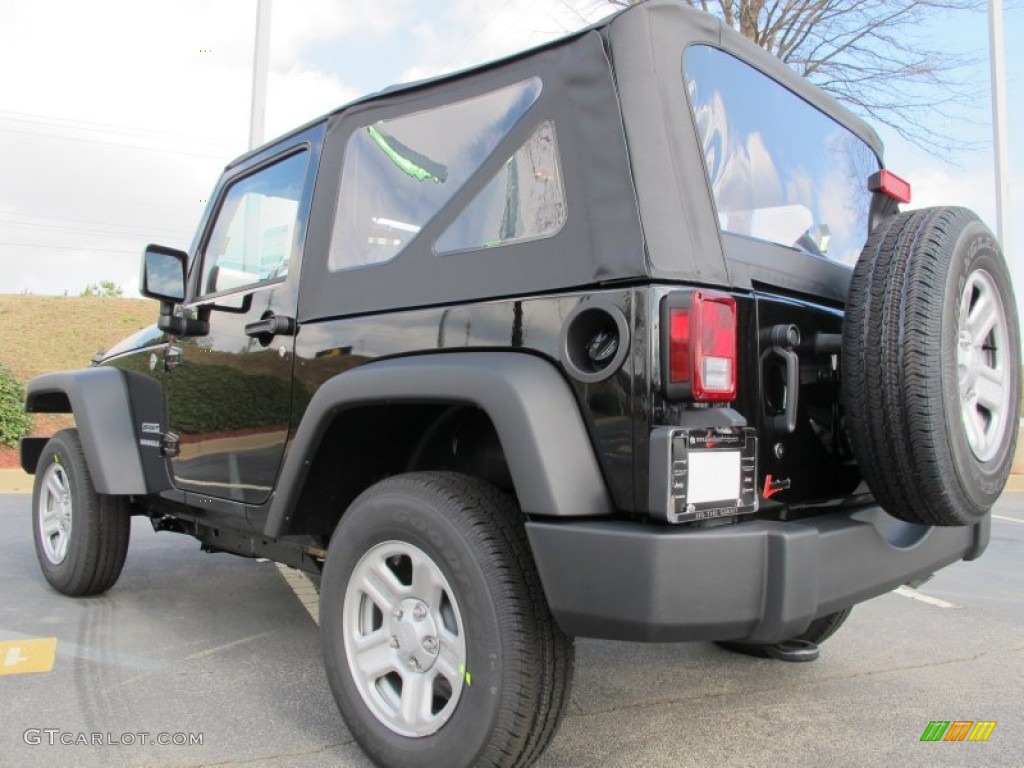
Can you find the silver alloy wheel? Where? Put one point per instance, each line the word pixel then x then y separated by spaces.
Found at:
pixel 55 514
pixel 404 639
pixel 982 373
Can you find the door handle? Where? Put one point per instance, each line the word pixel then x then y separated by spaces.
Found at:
pixel 271 325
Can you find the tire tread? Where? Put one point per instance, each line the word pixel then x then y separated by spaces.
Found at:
pixel 537 656
pixel 101 523
pixel 893 388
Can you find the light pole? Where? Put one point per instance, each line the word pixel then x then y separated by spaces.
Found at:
pixel 260 66
pixel 999 125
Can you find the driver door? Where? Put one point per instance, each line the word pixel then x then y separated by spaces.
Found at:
pixel 229 391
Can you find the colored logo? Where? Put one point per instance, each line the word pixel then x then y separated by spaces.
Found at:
pixel 958 730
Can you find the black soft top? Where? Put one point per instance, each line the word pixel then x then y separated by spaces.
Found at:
pixel 637 190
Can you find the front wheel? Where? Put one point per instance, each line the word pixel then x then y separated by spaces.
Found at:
pixel 438 642
pixel 81 536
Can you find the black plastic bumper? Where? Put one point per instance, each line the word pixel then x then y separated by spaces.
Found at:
pixel 757 581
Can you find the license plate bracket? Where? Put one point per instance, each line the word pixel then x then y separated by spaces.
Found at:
pixel 701 474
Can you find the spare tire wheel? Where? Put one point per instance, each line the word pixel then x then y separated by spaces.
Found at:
pixel 931 366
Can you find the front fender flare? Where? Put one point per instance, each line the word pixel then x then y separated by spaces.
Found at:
pixel 98 397
pixel 538 421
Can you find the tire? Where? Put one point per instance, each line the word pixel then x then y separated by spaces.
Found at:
pixel 817 632
pixel 81 537
pixel 430 576
pixel 931 367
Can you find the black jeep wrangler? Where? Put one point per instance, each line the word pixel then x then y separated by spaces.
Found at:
pixel 623 337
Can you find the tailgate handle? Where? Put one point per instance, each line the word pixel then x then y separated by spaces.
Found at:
pixel 782 339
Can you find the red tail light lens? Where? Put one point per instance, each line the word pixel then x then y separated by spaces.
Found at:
pixel 700 348
pixel 679 346
pixel 890 185
pixel 714 350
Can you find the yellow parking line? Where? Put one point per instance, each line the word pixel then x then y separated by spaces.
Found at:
pixel 32 654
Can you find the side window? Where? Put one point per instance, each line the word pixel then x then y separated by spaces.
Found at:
pixel 399 172
pixel 780 169
pixel 523 201
pixel 251 240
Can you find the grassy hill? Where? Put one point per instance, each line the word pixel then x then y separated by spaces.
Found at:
pixel 39 334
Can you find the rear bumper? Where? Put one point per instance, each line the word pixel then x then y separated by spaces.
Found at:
pixel 758 581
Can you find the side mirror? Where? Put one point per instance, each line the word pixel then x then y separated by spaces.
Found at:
pixel 163 279
pixel 163 274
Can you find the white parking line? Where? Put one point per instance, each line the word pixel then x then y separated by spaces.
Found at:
pixel 303 589
pixel 1007 519
pixel 913 594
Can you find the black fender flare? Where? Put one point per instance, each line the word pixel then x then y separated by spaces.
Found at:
pixel 98 398
pixel 538 421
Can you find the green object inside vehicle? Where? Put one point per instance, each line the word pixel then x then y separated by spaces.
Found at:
pixel 407 160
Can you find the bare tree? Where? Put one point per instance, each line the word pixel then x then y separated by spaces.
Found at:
pixel 871 54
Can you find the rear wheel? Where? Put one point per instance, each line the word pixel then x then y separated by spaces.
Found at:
pixel 438 643
pixel 931 367
pixel 81 536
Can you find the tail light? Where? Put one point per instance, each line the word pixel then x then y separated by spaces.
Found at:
pixel 698 359
pixel 890 185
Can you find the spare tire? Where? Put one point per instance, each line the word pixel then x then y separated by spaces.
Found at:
pixel 931 367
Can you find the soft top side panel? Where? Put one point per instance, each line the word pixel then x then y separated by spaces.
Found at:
pixel 647 45
pixel 667 160
pixel 600 241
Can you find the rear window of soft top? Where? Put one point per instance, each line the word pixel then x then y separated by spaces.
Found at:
pixel 780 169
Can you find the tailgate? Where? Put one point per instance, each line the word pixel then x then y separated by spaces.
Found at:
pixel 804 456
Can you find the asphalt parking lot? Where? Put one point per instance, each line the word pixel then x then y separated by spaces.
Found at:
pixel 191 644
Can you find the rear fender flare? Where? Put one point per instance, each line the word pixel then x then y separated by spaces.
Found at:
pixel 538 421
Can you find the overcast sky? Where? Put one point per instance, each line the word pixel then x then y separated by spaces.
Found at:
pixel 116 117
